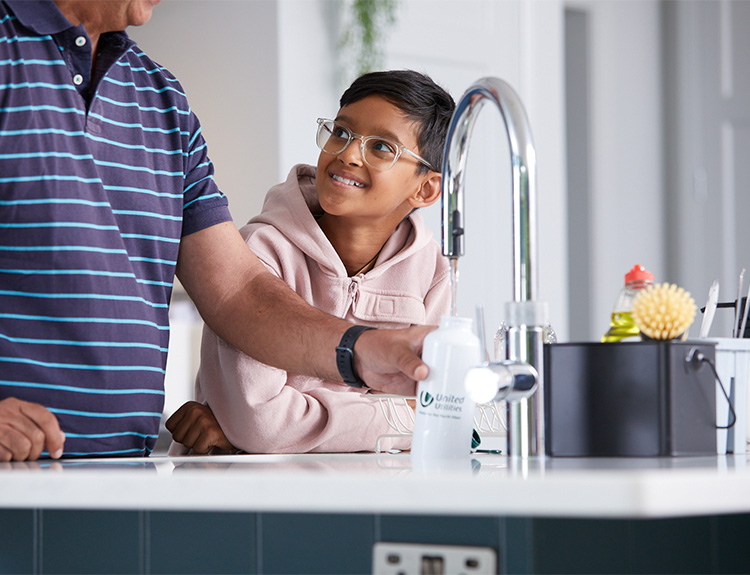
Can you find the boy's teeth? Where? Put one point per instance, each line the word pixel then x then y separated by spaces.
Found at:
pixel 347 182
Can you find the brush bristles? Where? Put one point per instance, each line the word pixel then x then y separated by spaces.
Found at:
pixel 664 311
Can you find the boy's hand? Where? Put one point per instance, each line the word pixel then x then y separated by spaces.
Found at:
pixel 388 360
pixel 194 426
pixel 25 428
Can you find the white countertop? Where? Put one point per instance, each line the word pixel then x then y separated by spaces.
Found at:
pixel 387 484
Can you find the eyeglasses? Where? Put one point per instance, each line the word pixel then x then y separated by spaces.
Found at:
pixel 379 153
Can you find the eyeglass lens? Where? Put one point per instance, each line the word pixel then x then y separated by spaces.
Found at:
pixel 379 153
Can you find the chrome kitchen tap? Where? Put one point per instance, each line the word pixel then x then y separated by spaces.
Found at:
pixel 525 316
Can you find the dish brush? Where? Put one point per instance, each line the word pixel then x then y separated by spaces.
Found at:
pixel 664 311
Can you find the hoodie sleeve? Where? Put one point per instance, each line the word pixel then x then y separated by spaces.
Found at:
pixel 264 410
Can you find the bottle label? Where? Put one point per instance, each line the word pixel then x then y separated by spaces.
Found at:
pixel 442 404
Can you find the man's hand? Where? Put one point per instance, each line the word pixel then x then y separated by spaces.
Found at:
pixel 194 426
pixel 25 428
pixel 388 360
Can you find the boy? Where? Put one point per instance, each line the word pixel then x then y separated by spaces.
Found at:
pixel 347 238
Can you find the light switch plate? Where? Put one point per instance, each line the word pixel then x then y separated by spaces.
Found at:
pixel 419 559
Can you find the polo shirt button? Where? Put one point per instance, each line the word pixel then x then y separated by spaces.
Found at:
pixel 78 79
pixel 81 41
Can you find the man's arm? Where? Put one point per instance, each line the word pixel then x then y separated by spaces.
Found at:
pixel 260 315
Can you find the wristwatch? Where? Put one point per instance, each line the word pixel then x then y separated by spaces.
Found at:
pixel 345 355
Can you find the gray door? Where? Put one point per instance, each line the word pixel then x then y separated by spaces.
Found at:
pixel 707 126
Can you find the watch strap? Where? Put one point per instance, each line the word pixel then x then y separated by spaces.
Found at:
pixel 345 355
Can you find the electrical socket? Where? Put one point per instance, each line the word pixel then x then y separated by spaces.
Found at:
pixel 418 559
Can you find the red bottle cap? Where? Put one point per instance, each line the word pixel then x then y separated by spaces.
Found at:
pixel 639 273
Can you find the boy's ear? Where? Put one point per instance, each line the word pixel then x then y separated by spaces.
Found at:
pixel 429 192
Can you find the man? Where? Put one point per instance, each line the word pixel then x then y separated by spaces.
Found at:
pixel 106 190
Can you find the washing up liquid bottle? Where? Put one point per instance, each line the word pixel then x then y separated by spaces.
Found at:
pixel 444 418
pixel 622 326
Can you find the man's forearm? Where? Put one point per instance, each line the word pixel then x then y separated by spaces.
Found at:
pixel 271 323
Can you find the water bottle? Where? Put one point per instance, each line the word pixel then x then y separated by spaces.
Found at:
pixel 622 327
pixel 444 418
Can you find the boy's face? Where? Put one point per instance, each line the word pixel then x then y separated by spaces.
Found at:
pixel 348 187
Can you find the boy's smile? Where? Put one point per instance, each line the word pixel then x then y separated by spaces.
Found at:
pixel 345 180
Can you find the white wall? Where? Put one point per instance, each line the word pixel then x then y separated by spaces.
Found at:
pixel 225 54
pixel 308 36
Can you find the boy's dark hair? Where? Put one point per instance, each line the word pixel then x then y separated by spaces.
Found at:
pixel 419 98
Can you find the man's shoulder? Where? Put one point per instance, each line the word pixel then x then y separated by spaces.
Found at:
pixel 140 61
pixel 147 81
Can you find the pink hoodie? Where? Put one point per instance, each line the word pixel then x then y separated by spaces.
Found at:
pixel 267 410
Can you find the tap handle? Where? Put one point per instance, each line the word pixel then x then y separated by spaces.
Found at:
pixel 457 234
pixel 504 380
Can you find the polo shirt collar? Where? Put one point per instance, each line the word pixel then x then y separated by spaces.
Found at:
pixel 41 16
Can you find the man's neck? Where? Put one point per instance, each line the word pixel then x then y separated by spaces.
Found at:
pixel 85 13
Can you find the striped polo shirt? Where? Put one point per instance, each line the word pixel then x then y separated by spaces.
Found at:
pixel 100 177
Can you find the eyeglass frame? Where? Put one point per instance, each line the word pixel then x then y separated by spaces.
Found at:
pixel 400 148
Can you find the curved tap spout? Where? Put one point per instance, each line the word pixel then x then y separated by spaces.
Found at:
pixel 523 163
pixel 526 317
